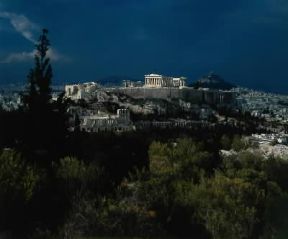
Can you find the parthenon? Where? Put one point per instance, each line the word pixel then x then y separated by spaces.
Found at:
pixel 155 80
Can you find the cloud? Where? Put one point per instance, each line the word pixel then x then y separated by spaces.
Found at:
pixel 54 55
pixel 22 25
pixel 17 57
pixel 27 28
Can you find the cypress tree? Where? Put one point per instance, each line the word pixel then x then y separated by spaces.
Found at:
pixel 39 96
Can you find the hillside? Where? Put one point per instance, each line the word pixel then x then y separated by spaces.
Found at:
pixel 213 81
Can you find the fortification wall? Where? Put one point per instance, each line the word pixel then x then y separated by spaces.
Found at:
pixel 192 95
pixel 187 94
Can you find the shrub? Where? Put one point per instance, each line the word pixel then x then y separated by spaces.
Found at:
pixel 239 143
pixel 18 182
pixel 17 178
pixel 112 217
pixel 77 176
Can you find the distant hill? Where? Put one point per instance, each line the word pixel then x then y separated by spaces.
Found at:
pixel 18 87
pixel 10 88
pixel 114 80
pixel 213 81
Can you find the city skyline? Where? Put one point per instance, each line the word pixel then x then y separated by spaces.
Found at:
pixel 243 42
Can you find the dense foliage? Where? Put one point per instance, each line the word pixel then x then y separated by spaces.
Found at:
pixel 145 184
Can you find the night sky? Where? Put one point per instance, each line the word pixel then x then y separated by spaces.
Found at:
pixel 244 41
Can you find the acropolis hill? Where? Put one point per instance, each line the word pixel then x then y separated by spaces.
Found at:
pixel 155 87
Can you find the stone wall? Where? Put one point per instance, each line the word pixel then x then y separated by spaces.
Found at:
pixel 187 94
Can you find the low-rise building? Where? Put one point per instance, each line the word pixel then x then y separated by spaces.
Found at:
pixel 103 122
pixel 80 91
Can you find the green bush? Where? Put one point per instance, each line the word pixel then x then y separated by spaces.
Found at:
pixel 112 217
pixel 77 176
pixel 183 158
pixel 238 143
pixel 225 142
pixel 18 184
pixel 229 207
pixel 17 178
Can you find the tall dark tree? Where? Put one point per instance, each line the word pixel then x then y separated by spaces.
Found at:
pixel 40 77
pixel 45 125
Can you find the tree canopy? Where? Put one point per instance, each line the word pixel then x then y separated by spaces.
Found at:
pixel 40 76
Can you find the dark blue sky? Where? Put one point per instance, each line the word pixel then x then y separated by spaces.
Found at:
pixel 245 41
